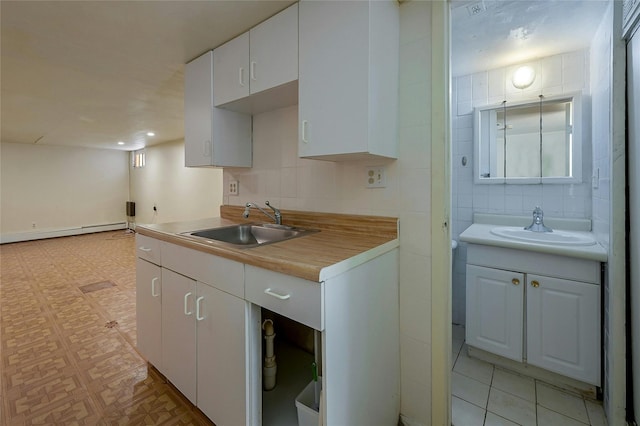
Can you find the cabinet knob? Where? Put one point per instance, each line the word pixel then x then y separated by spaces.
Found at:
pixel 535 284
pixel 515 281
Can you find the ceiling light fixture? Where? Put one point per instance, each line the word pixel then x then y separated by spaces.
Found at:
pixel 523 77
pixel 120 143
pixel 150 134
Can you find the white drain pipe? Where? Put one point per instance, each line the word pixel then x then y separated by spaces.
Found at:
pixel 270 367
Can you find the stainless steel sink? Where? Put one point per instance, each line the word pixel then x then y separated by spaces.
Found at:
pixel 249 235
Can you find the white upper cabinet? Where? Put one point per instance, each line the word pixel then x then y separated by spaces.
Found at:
pixel 231 70
pixel 212 136
pixel 258 70
pixel 348 79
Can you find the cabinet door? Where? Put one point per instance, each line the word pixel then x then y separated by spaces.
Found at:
pixel 212 136
pixel 563 327
pixel 222 356
pixel 198 98
pixel 179 332
pixel 274 51
pixel 333 81
pixel 495 311
pixel 149 311
pixel 231 70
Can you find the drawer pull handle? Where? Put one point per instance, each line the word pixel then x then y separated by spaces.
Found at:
pixel 198 303
pixel 143 248
pixel 186 310
pixel 276 295
pixel 535 284
pixel 515 281
pixel 153 287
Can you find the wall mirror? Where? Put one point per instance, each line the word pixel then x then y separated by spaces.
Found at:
pixel 536 141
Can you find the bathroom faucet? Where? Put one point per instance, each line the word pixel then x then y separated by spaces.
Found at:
pixel 538 225
pixel 276 216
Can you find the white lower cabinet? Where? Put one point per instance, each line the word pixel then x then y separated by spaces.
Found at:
pixel 149 311
pixel 551 323
pixel 221 355
pixel 194 333
pixel 179 332
pixel 200 315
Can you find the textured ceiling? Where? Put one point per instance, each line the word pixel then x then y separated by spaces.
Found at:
pixel 92 73
pixel 505 32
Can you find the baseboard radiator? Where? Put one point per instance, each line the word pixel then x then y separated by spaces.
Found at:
pixel 64 232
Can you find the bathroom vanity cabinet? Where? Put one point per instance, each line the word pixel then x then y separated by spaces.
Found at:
pixel 535 308
pixel 199 323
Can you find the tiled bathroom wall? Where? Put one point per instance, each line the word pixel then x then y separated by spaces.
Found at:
pixel 555 75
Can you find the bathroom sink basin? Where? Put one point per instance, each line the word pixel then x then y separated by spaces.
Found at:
pixel 558 238
pixel 249 235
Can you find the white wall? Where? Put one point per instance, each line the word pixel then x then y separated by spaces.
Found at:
pixel 278 175
pixel 178 192
pixel 59 187
pixel 555 75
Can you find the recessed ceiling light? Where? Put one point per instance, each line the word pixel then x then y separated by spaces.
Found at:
pixel 150 134
pixel 120 143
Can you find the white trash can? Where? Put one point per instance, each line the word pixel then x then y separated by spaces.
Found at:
pixel 305 401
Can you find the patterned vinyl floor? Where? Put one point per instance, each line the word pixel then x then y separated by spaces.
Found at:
pixel 67 338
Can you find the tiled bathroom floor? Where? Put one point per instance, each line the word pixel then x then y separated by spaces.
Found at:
pixel 483 394
pixel 68 332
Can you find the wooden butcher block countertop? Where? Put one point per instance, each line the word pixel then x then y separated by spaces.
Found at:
pixel 344 241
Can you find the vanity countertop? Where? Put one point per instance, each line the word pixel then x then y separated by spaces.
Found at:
pixel 480 233
pixel 344 241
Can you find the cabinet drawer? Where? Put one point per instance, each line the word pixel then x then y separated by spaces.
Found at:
pixel 293 297
pixel 223 274
pixel 148 249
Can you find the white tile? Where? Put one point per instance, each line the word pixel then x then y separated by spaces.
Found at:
pixel 561 402
pixel 496 82
pixel 413 183
pixel 415 360
pixel 415 232
pixel 415 58
pixel 551 71
pixel 464 86
pixel 415 108
pixel 473 368
pixel 512 408
pixel 457 332
pixel 415 401
pixel 469 389
pixel 479 88
pixel 465 414
pixel 520 386
pixel 495 420
pixel 596 413
pixel 547 417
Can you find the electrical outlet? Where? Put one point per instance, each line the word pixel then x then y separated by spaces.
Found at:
pixel 376 177
pixel 233 187
pixel 33 224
